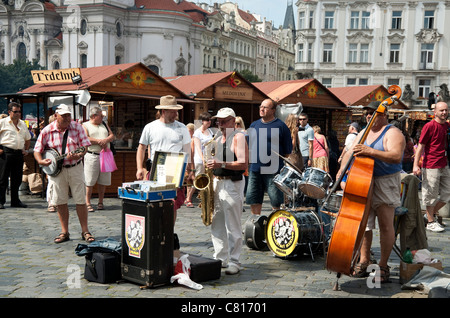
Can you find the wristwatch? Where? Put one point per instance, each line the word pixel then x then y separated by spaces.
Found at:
pixel 223 165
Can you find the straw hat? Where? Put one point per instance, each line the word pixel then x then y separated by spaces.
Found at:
pixel 169 102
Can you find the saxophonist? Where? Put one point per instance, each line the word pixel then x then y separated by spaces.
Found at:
pixel 228 167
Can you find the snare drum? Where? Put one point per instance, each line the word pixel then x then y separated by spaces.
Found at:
pixel 285 180
pixel 315 183
pixel 334 203
pixel 290 233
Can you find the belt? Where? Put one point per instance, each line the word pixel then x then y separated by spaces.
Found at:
pixel 75 164
pixel 6 149
pixel 232 178
pixel 94 153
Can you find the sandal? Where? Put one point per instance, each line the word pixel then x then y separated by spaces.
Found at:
pixel 87 237
pixel 360 270
pixel 100 206
pixel 62 237
pixel 51 208
pixel 385 274
pixel 188 204
pixel 90 208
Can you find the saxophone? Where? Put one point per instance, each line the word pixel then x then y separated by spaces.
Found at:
pixel 204 183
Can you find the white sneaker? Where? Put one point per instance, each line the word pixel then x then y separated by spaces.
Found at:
pixel 232 269
pixel 434 227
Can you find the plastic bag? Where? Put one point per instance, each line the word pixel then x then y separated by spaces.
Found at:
pixel 182 272
pixel 422 257
pixel 107 162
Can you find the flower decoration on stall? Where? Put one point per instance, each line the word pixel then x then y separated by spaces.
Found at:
pixel 137 78
pixel 380 95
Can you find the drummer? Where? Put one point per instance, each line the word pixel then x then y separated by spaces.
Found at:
pixel 267 136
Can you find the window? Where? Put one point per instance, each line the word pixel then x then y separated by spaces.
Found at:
pixel 301 20
pixel 83 60
pixel 354 20
pixel 365 20
pixel 311 20
pixel 428 21
pixel 83 27
pixel 424 88
pixel 154 68
pixel 327 82
pixel 393 81
pixel 394 53
pixel 364 53
pixel 119 29
pixel 396 20
pixel 351 81
pixel 363 81
pixel 21 51
pixel 353 53
pixel 327 52
pixel 426 56
pixel 310 48
pixel 329 20
pixel 300 53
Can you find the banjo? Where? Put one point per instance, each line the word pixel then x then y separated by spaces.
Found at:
pixel 57 161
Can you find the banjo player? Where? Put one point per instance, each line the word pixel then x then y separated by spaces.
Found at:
pixel 72 170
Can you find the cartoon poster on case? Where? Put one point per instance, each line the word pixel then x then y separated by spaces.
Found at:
pixel 134 234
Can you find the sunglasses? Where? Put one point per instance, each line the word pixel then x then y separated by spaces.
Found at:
pixel 17 111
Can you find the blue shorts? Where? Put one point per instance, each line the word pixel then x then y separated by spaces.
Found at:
pixel 259 183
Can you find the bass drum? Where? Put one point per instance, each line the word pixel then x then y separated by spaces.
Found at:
pixel 293 233
pixel 254 236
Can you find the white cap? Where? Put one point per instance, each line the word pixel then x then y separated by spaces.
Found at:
pixel 63 109
pixel 225 112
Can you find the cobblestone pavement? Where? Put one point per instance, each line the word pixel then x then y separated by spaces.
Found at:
pixel 31 265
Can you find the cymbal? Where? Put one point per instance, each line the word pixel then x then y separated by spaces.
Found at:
pixel 288 161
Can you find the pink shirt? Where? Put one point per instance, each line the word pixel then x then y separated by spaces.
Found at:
pixel 319 151
pixel 51 138
pixel 434 138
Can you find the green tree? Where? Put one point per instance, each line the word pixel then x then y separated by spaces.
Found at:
pixel 249 76
pixel 17 76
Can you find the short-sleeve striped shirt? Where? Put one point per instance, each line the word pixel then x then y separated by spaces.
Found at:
pixel 51 138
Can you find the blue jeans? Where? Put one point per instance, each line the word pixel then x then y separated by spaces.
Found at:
pixel 258 184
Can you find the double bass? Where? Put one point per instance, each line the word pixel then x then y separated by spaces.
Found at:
pixel 351 220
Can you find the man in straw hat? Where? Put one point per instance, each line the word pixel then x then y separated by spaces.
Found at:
pixel 165 134
pixel 228 167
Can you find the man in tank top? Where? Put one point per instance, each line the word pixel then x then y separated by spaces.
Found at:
pixel 385 144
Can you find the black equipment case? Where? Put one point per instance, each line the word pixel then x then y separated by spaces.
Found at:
pixel 147 242
pixel 102 267
pixel 204 269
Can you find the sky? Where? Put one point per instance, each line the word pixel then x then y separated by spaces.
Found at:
pixel 274 10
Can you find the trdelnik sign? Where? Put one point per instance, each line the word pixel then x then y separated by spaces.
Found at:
pixel 54 76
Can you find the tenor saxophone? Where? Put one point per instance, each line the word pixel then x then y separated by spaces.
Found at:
pixel 204 183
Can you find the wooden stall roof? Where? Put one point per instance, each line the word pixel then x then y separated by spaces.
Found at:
pixel 309 92
pixel 127 80
pixel 363 95
pixel 204 86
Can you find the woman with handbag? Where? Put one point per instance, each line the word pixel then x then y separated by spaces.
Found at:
pixel 100 136
pixel 321 151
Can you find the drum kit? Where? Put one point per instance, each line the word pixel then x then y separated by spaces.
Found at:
pixel 298 227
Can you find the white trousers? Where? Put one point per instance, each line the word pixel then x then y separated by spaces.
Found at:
pixel 226 228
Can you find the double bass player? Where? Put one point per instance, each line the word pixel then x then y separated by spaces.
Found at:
pixel 385 144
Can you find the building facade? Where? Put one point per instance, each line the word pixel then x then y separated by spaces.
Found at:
pixel 171 37
pixel 347 43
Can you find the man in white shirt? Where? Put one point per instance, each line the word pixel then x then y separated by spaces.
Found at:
pixel 165 134
pixel 353 130
pixel 14 143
